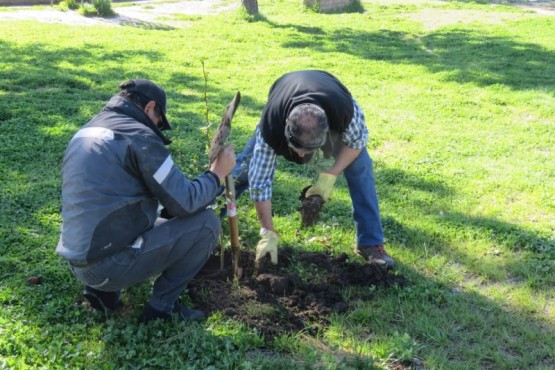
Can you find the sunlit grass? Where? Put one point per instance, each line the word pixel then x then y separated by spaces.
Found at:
pixel 460 113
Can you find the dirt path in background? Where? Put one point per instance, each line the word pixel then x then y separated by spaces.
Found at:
pixel 152 14
pixel 148 14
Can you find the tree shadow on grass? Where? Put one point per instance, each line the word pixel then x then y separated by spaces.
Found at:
pixel 468 55
pixel 432 200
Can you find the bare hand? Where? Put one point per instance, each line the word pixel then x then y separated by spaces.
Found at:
pixel 224 162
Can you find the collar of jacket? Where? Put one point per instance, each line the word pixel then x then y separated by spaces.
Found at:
pixel 124 106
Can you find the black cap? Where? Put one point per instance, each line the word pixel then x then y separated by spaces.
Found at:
pixel 152 92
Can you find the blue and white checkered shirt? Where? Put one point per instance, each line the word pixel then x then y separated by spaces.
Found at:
pixel 264 159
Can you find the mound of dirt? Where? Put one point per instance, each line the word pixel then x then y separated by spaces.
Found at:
pixel 276 302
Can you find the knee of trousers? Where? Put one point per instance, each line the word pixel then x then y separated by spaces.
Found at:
pixel 211 223
pixel 207 229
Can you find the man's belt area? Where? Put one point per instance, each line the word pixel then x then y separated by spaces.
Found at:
pixel 137 244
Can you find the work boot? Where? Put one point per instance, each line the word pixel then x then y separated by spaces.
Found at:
pixel 376 255
pixel 102 301
pixel 180 312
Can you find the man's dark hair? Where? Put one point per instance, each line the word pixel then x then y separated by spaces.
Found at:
pixel 139 100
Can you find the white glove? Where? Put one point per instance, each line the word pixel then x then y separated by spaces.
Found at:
pixel 267 244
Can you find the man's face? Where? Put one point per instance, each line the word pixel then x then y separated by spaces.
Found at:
pixel 152 111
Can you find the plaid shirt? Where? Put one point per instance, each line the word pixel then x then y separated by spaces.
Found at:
pixel 264 159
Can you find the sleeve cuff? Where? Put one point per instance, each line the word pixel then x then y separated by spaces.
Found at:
pixel 218 181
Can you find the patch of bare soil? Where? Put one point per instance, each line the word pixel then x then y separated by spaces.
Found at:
pixel 276 302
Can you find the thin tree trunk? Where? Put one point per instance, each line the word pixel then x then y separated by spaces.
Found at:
pixel 251 6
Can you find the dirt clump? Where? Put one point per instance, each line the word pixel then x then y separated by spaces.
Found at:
pixel 310 207
pixel 276 301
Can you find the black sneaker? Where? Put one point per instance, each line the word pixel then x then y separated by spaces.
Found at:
pixel 102 301
pixel 182 314
pixel 376 255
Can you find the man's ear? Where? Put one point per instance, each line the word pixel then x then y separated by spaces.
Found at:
pixel 149 107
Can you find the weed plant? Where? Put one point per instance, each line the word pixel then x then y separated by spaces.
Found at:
pixel 68 5
pixel 103 7
pixel 100 8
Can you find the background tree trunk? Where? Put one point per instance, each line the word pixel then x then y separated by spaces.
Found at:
pixel 251 6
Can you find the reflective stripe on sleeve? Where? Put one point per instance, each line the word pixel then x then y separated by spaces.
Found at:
pixel 95 132
pixel 164 170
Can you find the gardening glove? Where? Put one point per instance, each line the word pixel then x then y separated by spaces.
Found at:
pixel 267 244
pixel 323 186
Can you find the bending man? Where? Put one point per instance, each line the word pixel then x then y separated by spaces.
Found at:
pixel 308 111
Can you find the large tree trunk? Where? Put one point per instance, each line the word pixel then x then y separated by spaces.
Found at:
pixel 251 6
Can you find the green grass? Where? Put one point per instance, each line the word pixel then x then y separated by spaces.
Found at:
pixel 462 128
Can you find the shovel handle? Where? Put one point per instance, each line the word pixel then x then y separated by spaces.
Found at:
pixel 233 224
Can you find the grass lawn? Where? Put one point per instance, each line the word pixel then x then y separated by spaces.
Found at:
pixel 459 98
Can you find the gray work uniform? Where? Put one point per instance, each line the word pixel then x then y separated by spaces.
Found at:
pixel 116 172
